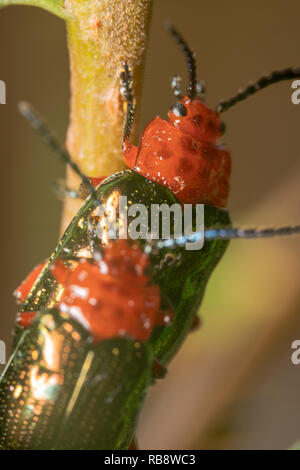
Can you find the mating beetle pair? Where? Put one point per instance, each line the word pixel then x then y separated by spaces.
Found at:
pixel 101 320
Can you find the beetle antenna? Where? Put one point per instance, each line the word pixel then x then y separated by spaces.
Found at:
pixel 226 233
pixel 263 82
pixel 129 101
pixel 191 63
pixel 37 123
pixel 269 232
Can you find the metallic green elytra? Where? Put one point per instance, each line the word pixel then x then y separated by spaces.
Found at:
pixel 181 275
pixel 92 396
pixel 59 391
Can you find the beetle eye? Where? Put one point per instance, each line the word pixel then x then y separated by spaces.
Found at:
pixel 222 128
pixel 179 109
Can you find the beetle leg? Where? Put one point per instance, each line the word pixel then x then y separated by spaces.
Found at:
pixel 129 100
pixel 134 444
pixel 196 324
pixel 159 371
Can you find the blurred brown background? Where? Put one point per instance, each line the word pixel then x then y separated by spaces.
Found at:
pixel 233 384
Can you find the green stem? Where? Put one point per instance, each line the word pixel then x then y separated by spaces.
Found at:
pixel 101 35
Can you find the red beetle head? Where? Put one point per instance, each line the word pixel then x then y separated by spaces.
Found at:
pixel 190 115
pixel 194 118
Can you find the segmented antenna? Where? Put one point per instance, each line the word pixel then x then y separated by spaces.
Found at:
pixel 191 63
pixel 127 92
pixel 37 123
pixel 227 234
pixel 264 82
pixel 269 232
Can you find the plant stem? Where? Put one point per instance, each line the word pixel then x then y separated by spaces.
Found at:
pixel 101 35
